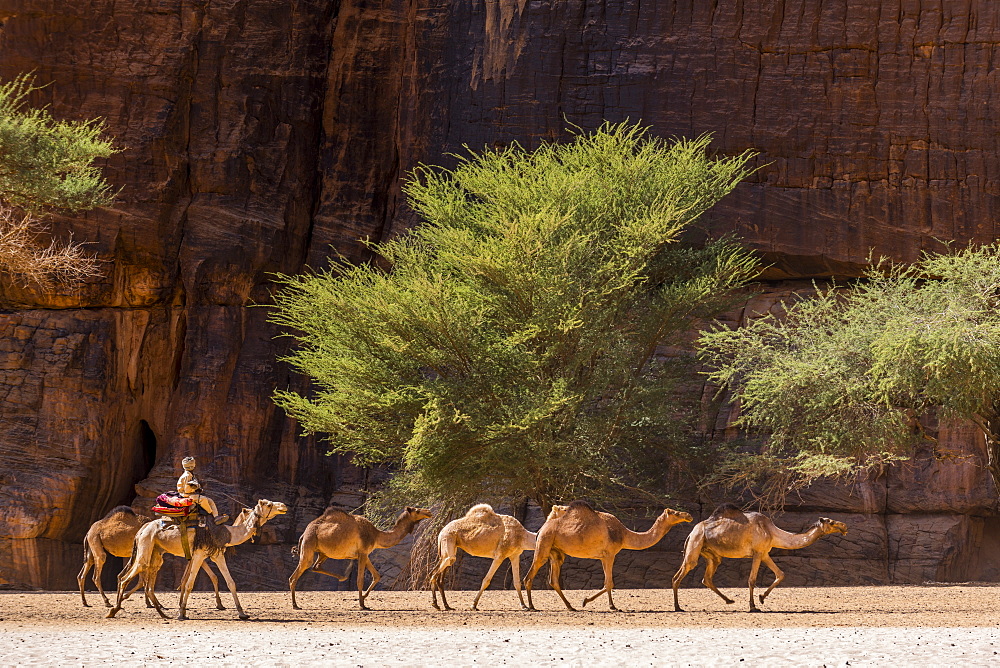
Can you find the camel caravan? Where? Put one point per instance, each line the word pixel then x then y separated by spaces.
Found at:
pixel 190 526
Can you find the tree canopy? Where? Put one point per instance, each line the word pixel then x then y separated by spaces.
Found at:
pixel 45 165
pixel 506 347
pixel 852 377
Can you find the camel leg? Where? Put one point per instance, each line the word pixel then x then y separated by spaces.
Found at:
pixel 692 552
pixel 447 549
pixel 539 559
pixel 437 581
pixel 778 575
pixel 316 569
pixel 133 569
pixel 99 559
pixel 515 569
pixel 536 564
pixel 711 564
pixel 149 580
pixel 752 581
pixel 215 585
pixel 293 579
pixel 556 560
pixel 220 561
pixel 486 580
pixel 609 583
pixel 187 583
pixel 81 578
pixel 375 577
pixel 361 582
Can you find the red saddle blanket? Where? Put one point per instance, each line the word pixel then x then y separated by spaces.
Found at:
pixel 173 505
pixel 174 501
pixel 171 511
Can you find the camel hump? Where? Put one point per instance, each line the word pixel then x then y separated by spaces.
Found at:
pixel 482 508
pixel 728 511
pixel 333 512
pixel 119 510
pixel 580 505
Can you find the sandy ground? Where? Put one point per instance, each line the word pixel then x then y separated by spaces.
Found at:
pixel 822 626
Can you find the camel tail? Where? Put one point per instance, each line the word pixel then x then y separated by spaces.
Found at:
pixel 297 548
pixel 693 544
pixel 131 560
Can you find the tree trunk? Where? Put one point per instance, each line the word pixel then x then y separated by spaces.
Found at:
pixel 989 426
pixel 993 459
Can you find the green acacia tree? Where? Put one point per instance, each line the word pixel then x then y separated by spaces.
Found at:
pixel 850 378
pixel 507 346
pixel 45 165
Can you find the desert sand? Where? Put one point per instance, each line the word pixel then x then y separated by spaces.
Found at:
pixel 831 626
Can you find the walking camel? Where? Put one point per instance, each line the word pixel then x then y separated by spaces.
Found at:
pixel 339 535
pixel 113 534
pixel 729 533
pixel 585 533
pixel 156 562
pixel 484 533
pixel 156 538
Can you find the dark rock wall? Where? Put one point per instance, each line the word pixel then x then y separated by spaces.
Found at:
pixel 258 133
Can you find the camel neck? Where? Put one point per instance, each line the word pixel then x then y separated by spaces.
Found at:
pixel 528 540
pixel 244 531
pixel 796 541
pixel 634 540
pixel 404 525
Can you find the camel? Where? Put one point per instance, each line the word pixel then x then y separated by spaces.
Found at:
pixel 113 534
pixel 156 538
pixel 339 535
pixel 484 533
pixel 729 533
pixel 585 533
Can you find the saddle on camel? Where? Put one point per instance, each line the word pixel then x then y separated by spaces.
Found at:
pixel 189 507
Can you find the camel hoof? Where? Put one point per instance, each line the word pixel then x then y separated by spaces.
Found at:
pixel 762 599
pixel 87 605
pixel 295 607
pixel 613 609
pixel 583 603
pixel 244 616
pixel 111 613
pixel 678 608
pixel 220 607
pixel 729 601
pixel 754 609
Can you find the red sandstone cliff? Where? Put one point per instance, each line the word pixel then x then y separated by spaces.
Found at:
pixel 258 133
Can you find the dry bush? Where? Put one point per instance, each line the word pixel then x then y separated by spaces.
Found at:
pixel 27 258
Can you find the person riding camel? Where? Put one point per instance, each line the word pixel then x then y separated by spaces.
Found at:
pixel 189 487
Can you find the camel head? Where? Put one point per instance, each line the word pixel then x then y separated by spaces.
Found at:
pixel 557 511
pixel 828 526
pixel 266 510
pixel 676 516
pixel 416 514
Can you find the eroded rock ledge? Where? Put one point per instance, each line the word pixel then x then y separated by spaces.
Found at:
pixel 259 133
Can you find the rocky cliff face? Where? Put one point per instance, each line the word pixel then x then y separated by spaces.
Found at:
pixel 259 133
